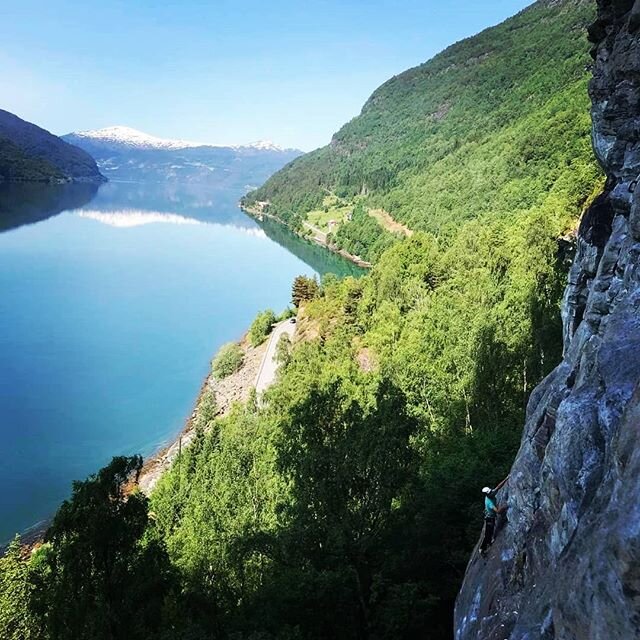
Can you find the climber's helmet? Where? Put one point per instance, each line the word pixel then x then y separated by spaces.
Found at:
pixel 486 490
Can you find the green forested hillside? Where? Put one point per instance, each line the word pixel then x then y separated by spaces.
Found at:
pixel 491 126
pixel 344 504
pixel 29 153
pixel 15 164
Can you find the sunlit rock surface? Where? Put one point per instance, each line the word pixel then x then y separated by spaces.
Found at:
pixel 567 563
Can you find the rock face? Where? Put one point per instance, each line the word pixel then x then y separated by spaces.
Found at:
pixel 567 564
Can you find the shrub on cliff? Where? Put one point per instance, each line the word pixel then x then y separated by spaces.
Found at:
pixel 283 349
pixel 227 361
pixel 16 619
pixel 261 327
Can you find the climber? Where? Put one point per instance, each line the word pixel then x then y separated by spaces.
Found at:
pixel 491 511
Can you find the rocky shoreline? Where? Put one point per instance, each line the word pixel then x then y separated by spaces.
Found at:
pixel 234 388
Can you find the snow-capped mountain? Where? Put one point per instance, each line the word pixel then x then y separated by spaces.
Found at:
pixel 123 153
pixel 266 145
pixel 133 138
pixel 121 135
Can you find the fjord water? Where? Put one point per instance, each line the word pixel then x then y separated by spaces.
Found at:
pixel 112 304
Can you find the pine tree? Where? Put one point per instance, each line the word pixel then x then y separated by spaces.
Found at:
pixel 304 288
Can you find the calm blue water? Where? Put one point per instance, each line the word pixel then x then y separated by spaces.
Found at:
pixel 109 315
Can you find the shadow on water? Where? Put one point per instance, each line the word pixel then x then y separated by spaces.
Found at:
pixel 318 258
pixel 22 204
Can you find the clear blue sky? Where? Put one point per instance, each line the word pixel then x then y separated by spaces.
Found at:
pixel 226 71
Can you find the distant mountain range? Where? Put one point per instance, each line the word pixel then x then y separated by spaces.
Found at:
pixel 123 153
pixel 29 153
pixel 132 138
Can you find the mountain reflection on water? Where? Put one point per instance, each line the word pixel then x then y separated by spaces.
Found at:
pixel 128 204
pixel 196 202
pixel 27 203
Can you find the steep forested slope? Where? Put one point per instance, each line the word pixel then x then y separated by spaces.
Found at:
pixel 346 503
pixel 29 153
pixel 495 124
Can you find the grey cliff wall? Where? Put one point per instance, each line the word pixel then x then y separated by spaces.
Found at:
pixel 567 564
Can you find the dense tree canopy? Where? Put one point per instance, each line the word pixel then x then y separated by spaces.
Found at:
pixel 101 573
pixel 346 503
